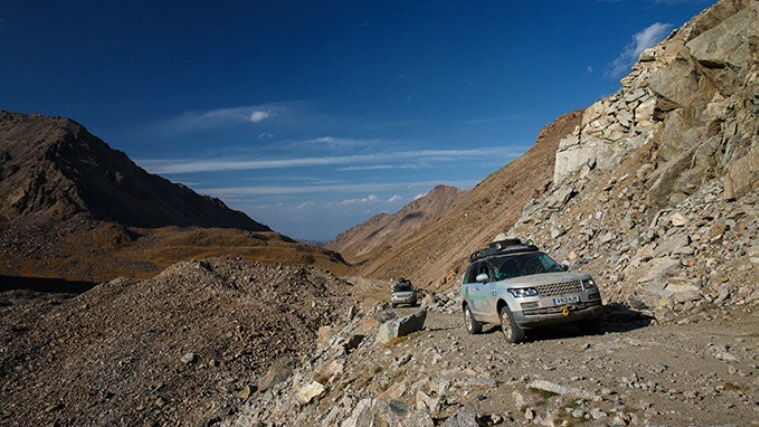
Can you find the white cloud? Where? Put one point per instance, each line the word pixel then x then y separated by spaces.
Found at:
pixel 372 188
pixel 420 195
pixel 394 198
pixel 265 135
pixel 368 199
pixel 642 40
pixel 333 142
pixel 175 166
pixel 193 121
pixel 589 69
pixel 259 115
pixel 378 167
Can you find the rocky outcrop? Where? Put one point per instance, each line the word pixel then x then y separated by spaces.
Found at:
pixel 695 97
pixel 656 191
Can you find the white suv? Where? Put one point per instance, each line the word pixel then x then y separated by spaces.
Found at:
pixel 517 286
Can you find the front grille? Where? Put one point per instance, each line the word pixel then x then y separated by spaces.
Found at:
pixel 559 289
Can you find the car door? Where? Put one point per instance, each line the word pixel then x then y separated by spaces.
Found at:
pixel 468 288
pixel 488 290
pixel 478 289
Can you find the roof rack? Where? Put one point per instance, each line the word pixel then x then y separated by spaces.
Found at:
pixel 502 247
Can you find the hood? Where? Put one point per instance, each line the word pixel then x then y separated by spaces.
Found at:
pixel 544 279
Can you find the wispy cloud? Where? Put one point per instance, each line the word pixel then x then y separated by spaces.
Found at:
pixel 335 142
pixel 177 166
pixel 378 167
pixel 642 40
pixel 370 188
pixel 368 199
pixel 259 115
pixel 420 195
pixel 193 121
pixel 394 198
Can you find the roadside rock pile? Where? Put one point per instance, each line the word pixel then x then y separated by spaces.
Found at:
pixel 656 191
pixel 187 346
pixel 441 375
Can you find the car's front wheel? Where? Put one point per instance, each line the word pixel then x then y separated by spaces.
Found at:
pixel 472 325
pixel 511 331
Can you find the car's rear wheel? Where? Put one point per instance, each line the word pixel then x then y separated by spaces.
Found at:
pixel 511 331
pixel 471 324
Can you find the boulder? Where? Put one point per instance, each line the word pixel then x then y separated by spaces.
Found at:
pixel 465 416
pixel 402 326
pixel 311 391
pixel 727 43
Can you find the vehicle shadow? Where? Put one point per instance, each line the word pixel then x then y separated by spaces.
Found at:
pixel 614 318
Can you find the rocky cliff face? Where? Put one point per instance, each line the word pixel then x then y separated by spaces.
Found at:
pixel 52 168
pixel 655 191
pixel 365 242
pixel 693 97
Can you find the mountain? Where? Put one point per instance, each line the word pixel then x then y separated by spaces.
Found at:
pixel 71 207
pixel 438 250
pixel 365 242
pixel 653 189
pixel 53 168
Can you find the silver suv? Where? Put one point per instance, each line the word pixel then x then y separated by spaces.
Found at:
pixel 403 293
pixel 517 286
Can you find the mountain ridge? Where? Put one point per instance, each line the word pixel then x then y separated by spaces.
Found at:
pixel 360 243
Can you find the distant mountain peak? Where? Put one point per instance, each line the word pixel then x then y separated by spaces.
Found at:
pixel 52 168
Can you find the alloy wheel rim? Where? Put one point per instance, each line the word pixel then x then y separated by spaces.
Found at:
pixel 506 324
pixel 467 321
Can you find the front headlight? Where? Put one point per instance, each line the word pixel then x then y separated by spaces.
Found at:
pixel 588 284
pixel 523 292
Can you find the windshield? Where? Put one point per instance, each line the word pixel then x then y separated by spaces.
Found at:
pixel 402 287
pixel 508 267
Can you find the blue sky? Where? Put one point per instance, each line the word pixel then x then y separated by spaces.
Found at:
pixel 314 116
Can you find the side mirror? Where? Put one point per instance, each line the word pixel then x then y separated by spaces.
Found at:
pixel 481 278
pixel 564 267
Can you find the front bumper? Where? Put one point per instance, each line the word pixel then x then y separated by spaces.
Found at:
pixel 403 299
pixel 556 314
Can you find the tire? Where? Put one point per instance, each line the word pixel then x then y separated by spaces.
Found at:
pixel 393 305
pixel 470 323
pixel 511 331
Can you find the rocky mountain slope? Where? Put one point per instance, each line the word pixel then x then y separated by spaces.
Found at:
pixel 655 192
pixel 366 242
pixel 182 348
pixel 73 208
pixel 680 136
pixel 53 168
pixel 438 251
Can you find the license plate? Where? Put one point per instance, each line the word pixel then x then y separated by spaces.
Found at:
pixel 566 300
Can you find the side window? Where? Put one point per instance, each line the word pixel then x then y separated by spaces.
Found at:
pixel 471 274
pixel 483 268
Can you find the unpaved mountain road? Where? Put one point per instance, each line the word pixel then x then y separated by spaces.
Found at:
pixel 699 370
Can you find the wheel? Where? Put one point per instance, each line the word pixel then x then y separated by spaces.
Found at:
pixel 393 305
pixel 511 331
pixel 471 324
